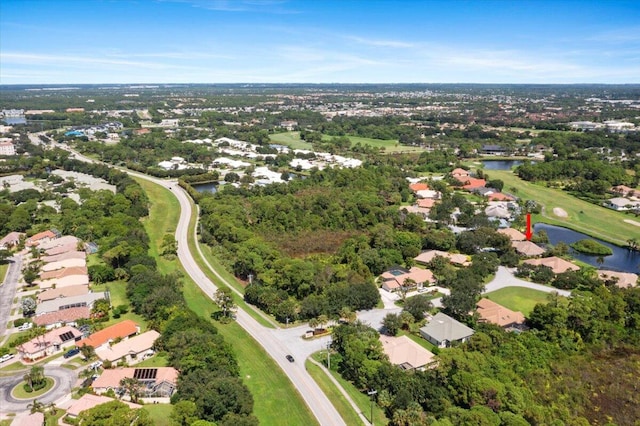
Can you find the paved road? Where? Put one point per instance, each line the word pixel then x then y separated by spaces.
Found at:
pixel 505 278
pixel 277 343
pixel 8 292
pixel 64 381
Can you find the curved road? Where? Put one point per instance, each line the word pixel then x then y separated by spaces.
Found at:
pixel 277 343
pixel 64 378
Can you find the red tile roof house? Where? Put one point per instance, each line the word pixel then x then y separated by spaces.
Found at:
pixel 65 277
pixel 406 353
pixel 104 337
pixel 49 343
pixel 395 278
pixel 527 248
pixel 419 186
pixel 130 351
pixel 158 381
pixel 40 238
pixel 60 318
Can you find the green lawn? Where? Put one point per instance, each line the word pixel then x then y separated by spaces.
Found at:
pixel 292 140
pixel 419 340
pixel 337 398
pixel 272 391
pixel 4 267
pixel 159 413
pixel 518 298
pixel 596 221
pixel 20 393
pixel 158 360
pixel 118 293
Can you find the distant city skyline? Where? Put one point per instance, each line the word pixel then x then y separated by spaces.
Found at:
pixel 318 41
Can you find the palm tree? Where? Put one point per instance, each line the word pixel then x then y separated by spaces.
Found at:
pixel 132 387
pixel 36 406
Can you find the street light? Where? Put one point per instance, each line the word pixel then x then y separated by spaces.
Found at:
pixel 371 393
pixel 328 355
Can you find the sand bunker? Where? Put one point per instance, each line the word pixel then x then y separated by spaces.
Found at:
pixel 560 212
pixel 632 222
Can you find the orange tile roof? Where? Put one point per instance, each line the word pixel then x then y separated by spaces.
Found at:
pixel 513 234
pixel 459 171
pixel 427 203
pixel 499 196
pixel 494 313
pixel 420 186
pixel 122 329
pixel 40 235
pixel 474 183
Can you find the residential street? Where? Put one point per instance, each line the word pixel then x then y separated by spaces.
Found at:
pixel 505 278
pixel 64 382
pixel 8 292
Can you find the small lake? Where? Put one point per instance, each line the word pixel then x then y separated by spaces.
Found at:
pixel 621 260
pixel 205 187
pixel 500 164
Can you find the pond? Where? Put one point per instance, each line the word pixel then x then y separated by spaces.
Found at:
pixel 14 120
pixel 621 260
pixel 500 164
pixel 205 187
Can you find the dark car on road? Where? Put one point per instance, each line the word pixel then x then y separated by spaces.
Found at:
pixel 290 358
pixel 71 352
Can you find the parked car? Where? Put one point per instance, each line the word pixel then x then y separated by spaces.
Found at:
pixel 290 358
pixel 71 352
pixel 6 357
pixel 25 326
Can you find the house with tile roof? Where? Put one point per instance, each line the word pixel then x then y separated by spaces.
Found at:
pixel 60 304
pixel 63 317
pixel 493 313
pixel 10 240
pixel 61 241
pixel 40 238
pixel 122 330
pixel 129 351
pixel 394 279
pixel 556 264
pixel 49 343
pixel 513 234
pixel 155 381
pixel 405 353
pixel 622 279
pixel 527 248
pixel 426 257
pixel 59 293
pixel 75 254
pixel 89 401
pixel 62 264
pixel 62 248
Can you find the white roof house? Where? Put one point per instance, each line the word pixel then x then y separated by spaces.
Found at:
pixel 443 330
pixel 130 350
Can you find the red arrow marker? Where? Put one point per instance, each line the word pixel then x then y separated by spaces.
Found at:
pixel 529 233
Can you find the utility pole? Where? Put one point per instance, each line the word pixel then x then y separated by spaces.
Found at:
pixel 371 393
pixel 328 355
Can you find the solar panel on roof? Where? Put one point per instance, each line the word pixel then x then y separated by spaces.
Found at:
pixel 145 373
pixel 66 336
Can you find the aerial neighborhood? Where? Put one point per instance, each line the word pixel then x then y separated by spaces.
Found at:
pixel 445 251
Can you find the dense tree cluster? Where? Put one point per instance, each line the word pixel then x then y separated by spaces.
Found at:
pixel 515 379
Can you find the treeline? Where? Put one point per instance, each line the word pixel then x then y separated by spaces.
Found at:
pixel 388 127
pixel 557 373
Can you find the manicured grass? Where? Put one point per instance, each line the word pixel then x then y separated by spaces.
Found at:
pixel 419 340
pixel 593 220
pixel 292 140
pixel 159 413
pixel 158 360
pixel 333 393
pixel 362 400
pixel 118 294
pixel 272 392
pixel 20 393
pixel 4 267
pixel 518 298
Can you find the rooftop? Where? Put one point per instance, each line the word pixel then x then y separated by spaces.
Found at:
pixel 119 330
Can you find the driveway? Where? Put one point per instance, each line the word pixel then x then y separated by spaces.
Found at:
pixel 505 278
pixel 8 292
pixel 64 381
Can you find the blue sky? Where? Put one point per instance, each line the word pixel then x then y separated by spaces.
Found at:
pixel 318 41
